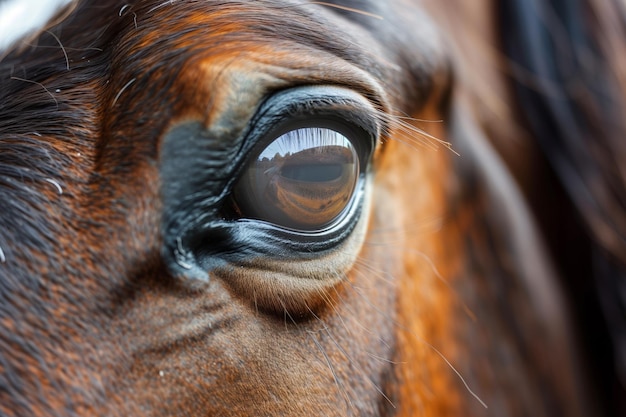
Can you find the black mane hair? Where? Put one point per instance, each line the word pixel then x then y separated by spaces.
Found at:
pixel 572 103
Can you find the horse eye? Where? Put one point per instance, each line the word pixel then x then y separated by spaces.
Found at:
pixel 304 180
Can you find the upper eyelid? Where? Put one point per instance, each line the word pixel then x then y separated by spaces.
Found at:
pixel 352 108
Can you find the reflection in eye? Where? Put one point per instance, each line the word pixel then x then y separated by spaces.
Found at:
pixel 303 180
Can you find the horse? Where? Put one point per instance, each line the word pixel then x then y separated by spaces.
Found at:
pixel 176 240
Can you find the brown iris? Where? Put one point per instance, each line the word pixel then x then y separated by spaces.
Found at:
pixel 303 180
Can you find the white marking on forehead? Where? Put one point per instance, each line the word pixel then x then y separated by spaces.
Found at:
pixel 20 18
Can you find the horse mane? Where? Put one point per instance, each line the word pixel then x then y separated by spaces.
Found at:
pixel 569 78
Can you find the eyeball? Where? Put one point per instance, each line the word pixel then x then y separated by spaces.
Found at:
pixel 303 180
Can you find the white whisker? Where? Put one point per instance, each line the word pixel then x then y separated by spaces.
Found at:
pixel 117 96
pixel 381 359
pixel 124 7
pixel 39 84
pixel 332 370
pixel 56 184
pixel 466 308
pixel 67 60
pixel 348 9
pixel 400 128
pixel 421 340
pixel 458 374
pixel 165 3
pixel 356 365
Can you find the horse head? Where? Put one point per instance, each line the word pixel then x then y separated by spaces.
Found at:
pixel 277 208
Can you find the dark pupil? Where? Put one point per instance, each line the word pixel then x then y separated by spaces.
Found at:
pixel 303 180
pixel 312 172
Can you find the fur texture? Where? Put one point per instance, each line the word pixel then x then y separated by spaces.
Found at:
pixel 119 295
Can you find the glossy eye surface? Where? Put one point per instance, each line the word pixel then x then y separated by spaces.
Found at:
pixel 303 180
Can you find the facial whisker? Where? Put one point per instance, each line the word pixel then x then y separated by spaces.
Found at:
pixel 423 341
pixel 332 370
pixel 355 364
pixel 408 133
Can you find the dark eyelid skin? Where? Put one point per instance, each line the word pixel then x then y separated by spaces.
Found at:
pixel 198 173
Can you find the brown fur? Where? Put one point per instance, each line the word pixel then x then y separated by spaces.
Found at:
pixel 443 299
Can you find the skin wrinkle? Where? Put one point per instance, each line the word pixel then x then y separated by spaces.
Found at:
pixel 436 302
